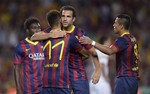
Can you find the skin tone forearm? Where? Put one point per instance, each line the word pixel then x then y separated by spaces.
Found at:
pixel 97 73
pixel 43 36
pixel 17 79
pixel 40 36
pixel 105 49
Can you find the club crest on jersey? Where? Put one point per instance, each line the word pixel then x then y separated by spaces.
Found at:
pixel 36 56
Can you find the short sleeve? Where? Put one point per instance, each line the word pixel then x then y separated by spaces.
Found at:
pixel 121 43
pixel 17 55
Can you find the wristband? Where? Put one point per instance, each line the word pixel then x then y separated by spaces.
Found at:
pixel 93 43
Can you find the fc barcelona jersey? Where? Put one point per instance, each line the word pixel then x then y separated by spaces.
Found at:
pixel 127 56
pixel 76 65
pixel 30 56
pixel 57 52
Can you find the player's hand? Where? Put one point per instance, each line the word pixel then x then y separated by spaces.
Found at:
pixel 58 34
pixel 96 77
pixel 85 40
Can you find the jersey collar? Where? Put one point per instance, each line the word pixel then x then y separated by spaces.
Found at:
pixel 71 30
pixel 31 42
pixel 124 33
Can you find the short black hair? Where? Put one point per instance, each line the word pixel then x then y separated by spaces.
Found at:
pixel 53 17
pixel 30 21
pixel 68 7
pixel 125 20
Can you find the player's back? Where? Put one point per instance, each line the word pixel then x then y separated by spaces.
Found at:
pixel 57 58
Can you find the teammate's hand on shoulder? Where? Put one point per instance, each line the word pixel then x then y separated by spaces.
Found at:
pixel 85 40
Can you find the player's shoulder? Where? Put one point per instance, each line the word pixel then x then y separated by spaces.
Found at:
pixel 71 37
pixel 121 38
pixel 127 37
pixel 80 32
pixel 79 29
pixel 19 44
pixel 22 42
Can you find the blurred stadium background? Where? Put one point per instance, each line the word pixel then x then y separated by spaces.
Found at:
pixel 95 16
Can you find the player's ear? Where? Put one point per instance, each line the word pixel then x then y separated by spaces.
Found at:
pixel 74 19
pixel 122 26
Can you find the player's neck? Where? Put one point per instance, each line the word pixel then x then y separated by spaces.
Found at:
pixel 56 28
pixel 68 28
pixel 124 32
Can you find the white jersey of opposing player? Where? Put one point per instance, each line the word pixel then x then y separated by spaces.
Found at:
pixel 103 86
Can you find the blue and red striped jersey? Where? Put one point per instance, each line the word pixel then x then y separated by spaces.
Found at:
pixel 57 52
pixel 76 65
pixel 127 56
pixel 30 56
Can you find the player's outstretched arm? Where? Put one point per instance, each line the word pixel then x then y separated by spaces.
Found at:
pixel 103 48
pixel 43 36
pixel 39 36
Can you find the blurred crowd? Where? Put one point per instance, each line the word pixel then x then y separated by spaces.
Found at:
pixel 94 16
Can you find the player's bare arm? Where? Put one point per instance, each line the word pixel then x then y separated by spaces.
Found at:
pixel 43 36
pixel 109 50
pixel 97 73
pixel 17 79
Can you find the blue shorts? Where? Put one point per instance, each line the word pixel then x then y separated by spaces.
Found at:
pixel 126 85
pixel 51 90
pixel 80 87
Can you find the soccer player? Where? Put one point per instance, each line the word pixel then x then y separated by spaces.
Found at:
pixel 127 56
pixel 79 81
pixel 103 86
pixel 29 61
pixel 57 50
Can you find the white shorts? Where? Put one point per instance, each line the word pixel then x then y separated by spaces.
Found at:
pixel 102 87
